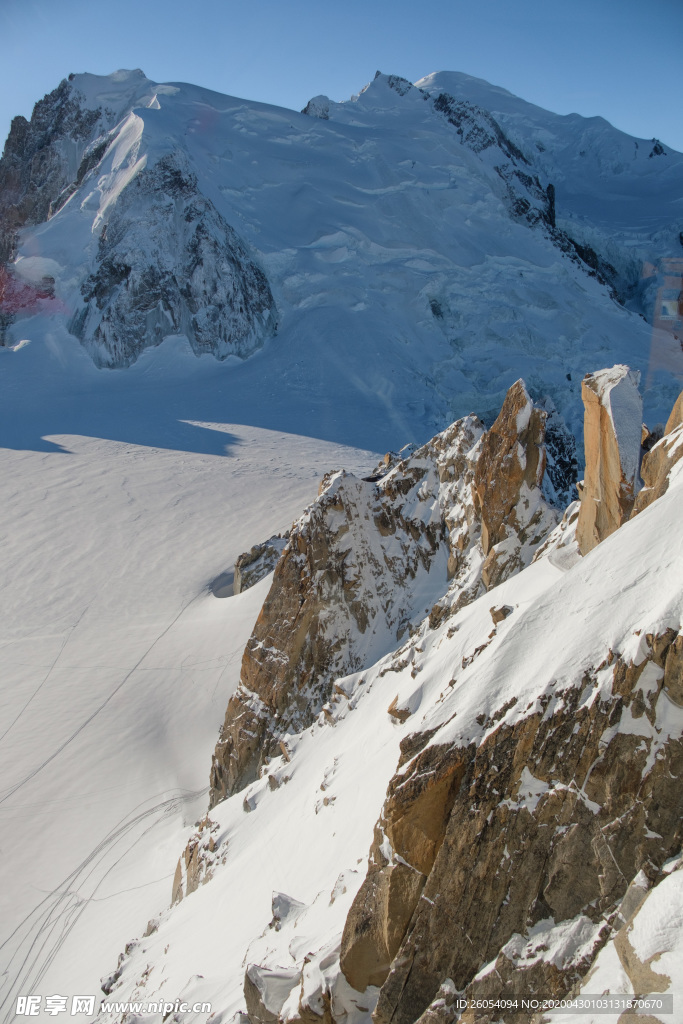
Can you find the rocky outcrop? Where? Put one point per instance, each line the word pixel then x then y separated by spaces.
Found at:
pixel 643 943
pixel 676 416
pixel 199 860
pixel 41 157
pixel 507 486
pixel 318 106
pixel 265 992
pixel 258 562
pixel 495 510
pixel 660 459
pixel 342 594
pixel 501 868
pixel 612 436
pixel 351 582
pixel 524 195
pixel 487 839
pixel 169 264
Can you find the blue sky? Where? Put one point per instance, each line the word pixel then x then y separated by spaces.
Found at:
pixel 617 58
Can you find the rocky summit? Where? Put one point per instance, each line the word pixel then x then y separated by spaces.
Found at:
pixel 364 558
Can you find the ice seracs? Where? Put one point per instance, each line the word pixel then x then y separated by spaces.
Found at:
pixel 431 243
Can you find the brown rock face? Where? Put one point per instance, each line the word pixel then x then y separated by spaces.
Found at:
pixel 497 831
pixel 676 416
pixel 341 595
pixel 659 461
pixel 253 565
pixel 347 585
pixel 377 923
pixel 507 477
pixel 198 861
pixel 612 435
pixel 504 517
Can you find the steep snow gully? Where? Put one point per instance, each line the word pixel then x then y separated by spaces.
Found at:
pixel 425 760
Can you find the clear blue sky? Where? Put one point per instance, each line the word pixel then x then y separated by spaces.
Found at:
pixel 618 58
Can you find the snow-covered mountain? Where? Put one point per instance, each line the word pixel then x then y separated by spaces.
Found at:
pixel 436 754
pixel 403 232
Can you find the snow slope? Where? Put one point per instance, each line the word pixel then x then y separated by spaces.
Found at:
pixel 306 834
pixel 117 666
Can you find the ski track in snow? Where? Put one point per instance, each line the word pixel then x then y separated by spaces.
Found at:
pixel 124 609
pixel 35 946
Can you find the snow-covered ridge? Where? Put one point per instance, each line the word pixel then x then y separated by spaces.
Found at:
pixel 163 260
pixel 420 241
pixel 523 769
pixel 370 559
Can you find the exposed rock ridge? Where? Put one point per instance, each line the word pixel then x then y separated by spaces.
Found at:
pixel 186 273
pixel 526 198
pixel 659 461
pixel 647 975
pixel 477 845
pixel 540 836
pixel 253 565
pixel 612 435
pixel 468 505
pixel 479 131
pixel 199 860
pixel 41 157
pixel 167 262
pixel 495 510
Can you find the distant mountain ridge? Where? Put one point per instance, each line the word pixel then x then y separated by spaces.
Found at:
pixel 442 233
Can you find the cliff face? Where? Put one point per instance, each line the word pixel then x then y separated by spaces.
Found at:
pixel 534 834
pixel 168 263
pixel 41 158
pixel 660 460
pixel 366 562
pixel 612 432
pixel 165 262
pixel 489 855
